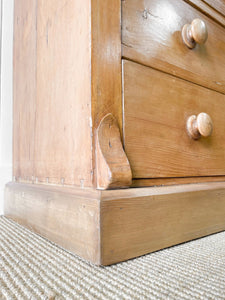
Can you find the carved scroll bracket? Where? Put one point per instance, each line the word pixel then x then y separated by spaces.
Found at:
pixel 113 168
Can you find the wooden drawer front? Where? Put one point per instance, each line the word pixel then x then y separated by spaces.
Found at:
pixel 218 5
pixel 151 35
pixel 156 109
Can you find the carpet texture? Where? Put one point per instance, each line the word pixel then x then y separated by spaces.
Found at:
pixel 33 268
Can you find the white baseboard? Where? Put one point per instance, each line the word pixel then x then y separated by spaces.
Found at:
pixel 5 176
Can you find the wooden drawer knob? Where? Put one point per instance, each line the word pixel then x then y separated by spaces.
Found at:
pixel 193 33
pixel 200 125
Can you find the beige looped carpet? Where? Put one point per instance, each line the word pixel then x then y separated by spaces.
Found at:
pixel 33 268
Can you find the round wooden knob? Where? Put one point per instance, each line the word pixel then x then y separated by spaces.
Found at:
pixel 193 33
pixel 200 125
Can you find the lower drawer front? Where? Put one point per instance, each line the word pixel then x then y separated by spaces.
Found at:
pixel 156 109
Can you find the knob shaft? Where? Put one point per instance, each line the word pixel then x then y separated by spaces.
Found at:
pixel 193 33
pixel 200 125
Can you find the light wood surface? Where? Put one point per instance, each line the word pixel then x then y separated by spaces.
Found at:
pixel 207 10
pixel 174 181
pixel 67 77
pixel 156 109
pixel 52 122
pixel 106 70
pixel 218 5
pixel 113 168
pixel 63 110
pixel 24 87
pixel 137 221
pixel 69 117
pixel 66 216
pixel 110 226
pixel 106 60
pixel 151 35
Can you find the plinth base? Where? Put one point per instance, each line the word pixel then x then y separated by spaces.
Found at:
pixel 111 226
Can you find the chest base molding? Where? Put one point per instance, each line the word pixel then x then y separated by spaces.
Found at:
pixel 107 227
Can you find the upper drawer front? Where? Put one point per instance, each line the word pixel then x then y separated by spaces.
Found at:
pixel 151 35
pixel 156 109
pixel 218 5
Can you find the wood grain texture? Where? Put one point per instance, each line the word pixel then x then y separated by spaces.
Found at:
pixel 66 216
pixel 113 168
pixel 218 5
pixel 207 10
pixel 151 35
pixel 63 127
pixel 24 87
pixel 110 226
pixel 174 181
pixel 106 65
pixel 106 60
pixel 138 221
pixel 67 77
pixel 75 63
pixel 156 109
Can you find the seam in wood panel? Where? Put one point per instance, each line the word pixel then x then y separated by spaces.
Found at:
pixel 205 13
pixel 176 76
pixel 162 190
pixel 154 178
pixel 211 7
pixel 123 108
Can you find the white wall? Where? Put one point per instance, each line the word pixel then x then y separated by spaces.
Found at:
pixel 6 97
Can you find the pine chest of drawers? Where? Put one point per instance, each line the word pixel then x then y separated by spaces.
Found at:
pixel 119 124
